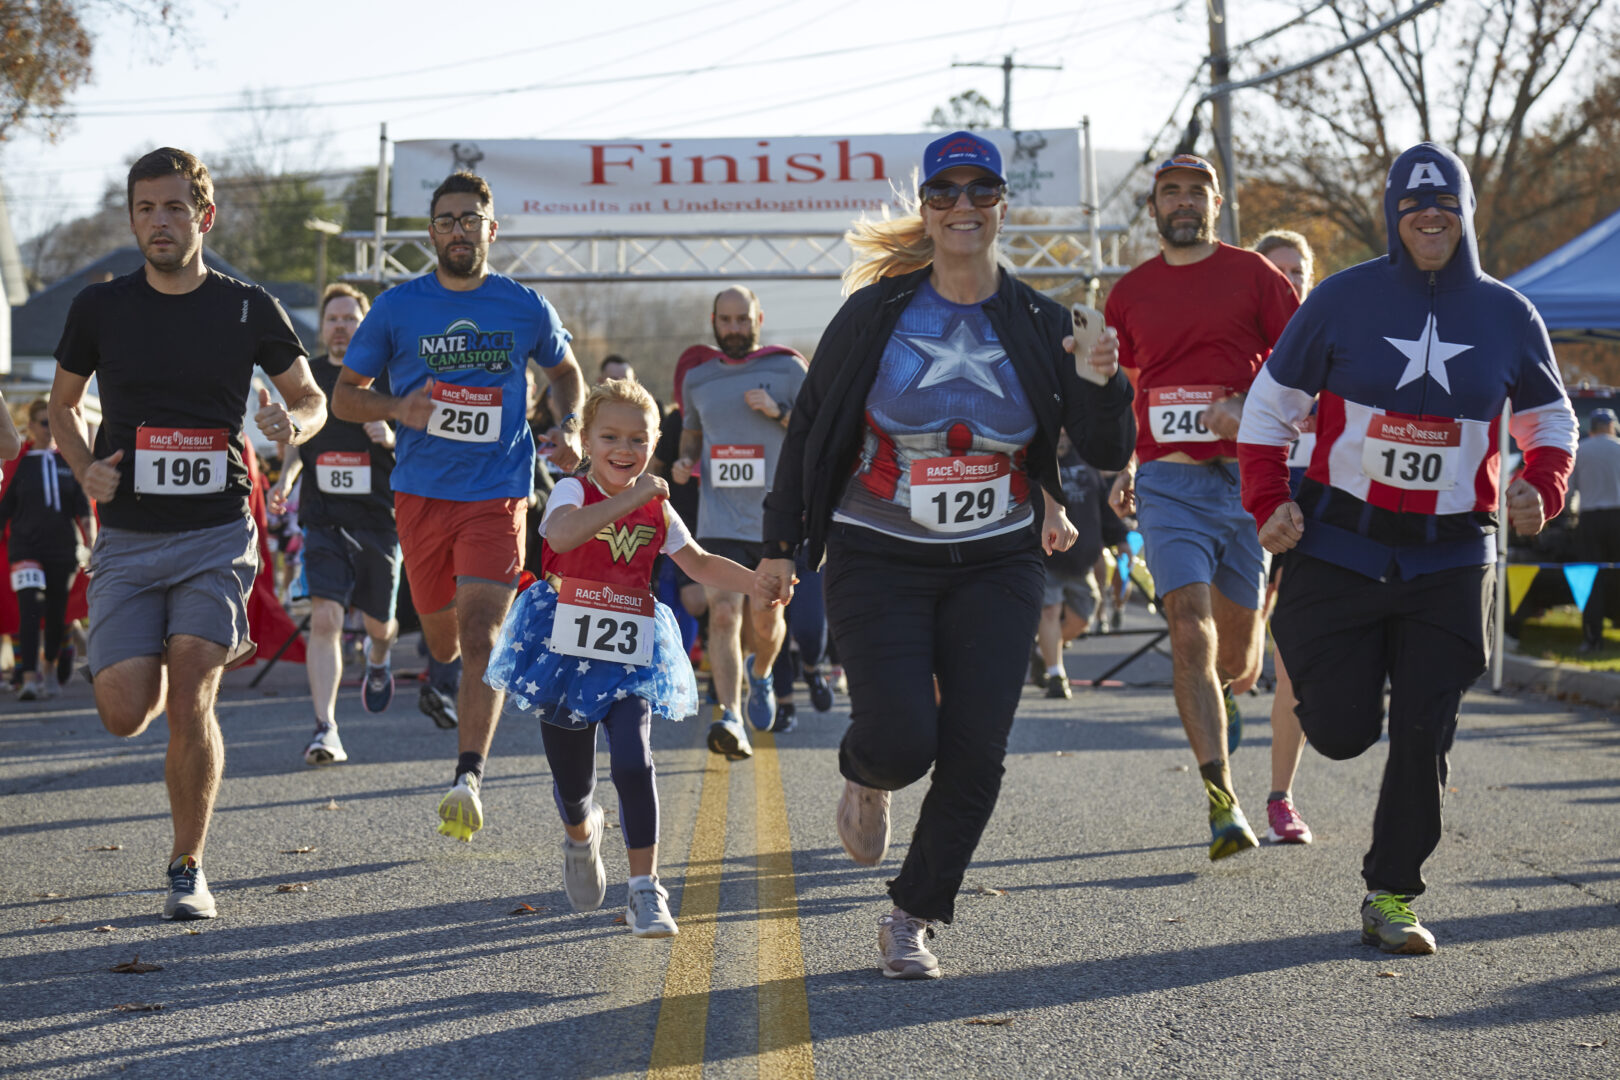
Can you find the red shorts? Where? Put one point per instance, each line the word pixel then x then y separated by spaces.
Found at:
pixel 443 540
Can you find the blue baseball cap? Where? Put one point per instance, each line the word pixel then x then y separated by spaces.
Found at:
pixel 1602 416
pixel 961 148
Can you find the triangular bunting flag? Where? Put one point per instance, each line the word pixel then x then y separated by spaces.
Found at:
pixel 1519 579
pixel 1134 539
pixel 1580 577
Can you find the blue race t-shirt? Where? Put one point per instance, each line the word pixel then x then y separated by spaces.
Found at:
pixel 474 346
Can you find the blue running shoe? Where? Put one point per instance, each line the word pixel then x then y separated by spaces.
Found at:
pixel 189 897
pixel 761 705
pixel 377 691
pixel 1234 720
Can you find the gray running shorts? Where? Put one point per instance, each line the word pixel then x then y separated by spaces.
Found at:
pixel 146 587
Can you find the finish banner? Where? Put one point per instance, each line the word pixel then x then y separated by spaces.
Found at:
pixel 801 174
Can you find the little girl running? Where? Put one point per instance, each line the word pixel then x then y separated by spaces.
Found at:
pixel 588 645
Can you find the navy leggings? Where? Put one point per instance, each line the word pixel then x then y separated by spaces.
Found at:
pixel 571 753
pixel 807 624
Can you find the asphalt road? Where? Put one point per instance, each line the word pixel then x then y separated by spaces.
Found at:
pixel 1104 943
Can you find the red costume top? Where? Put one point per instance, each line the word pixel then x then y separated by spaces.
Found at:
pixel 621 553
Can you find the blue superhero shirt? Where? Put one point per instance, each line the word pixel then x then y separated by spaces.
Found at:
pixel 474 346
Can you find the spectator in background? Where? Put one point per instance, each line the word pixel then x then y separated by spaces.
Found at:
pixel 615 366
pixel 47 512
pixel 1291 253
pixel 1596 483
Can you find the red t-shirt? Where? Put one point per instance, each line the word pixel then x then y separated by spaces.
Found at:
pixel 1194 333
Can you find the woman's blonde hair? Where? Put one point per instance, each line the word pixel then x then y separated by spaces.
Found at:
pixel 887 246
pixel 618 392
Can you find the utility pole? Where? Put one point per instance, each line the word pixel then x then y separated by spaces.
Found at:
pixel 1220 69
pixel 322 229
pixel 1007 66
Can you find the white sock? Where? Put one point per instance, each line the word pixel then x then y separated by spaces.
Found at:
pixel 640 881
pixel 1055 669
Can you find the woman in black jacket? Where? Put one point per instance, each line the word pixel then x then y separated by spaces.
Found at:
pixel 917 446
pixel 46 510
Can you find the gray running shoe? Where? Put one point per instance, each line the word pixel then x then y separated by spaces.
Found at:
pixel 901 940
pixel 728 736
pixel 189 897
pixel 438 705
pixel 325 748
pixel 648 911
pixel 1387 921
pixel 863 822
pixel 31 691
pixel 584 876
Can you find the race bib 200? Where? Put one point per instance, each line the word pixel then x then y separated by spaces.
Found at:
pixel 180 461
pixel 737 466
pixel 466 413
pixel 960 494
pixel 1176 413
pixel 1413 455
pixel 599 621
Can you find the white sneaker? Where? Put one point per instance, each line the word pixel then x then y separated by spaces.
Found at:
pixel 901 940
pixel 863 822
pixel 648 911
pixel 461 813
pixel 325 748
pixel 584 876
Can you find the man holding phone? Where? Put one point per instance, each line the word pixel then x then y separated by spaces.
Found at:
pixel 1195 323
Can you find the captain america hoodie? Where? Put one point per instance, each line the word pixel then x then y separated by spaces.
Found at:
pixel 1411 370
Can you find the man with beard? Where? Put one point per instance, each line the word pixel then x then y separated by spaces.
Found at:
pixel 351 547
pixel 735 402
pixel 1194 326
pixel 455 345
pixel 173 347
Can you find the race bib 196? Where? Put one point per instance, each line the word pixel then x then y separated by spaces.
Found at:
pixel 343 472
pixel 180 461
pixel 960 494
pixel 466 413
pixel 737 466
pixel 1413 455
pixel 27 575
pixel 1176 413
pixel 598 621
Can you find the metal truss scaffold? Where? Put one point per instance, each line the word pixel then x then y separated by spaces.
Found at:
pixel 1055 253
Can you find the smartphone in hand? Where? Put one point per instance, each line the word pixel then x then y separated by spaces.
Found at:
pixel 1088 330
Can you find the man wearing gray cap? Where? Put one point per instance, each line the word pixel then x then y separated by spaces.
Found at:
pixel 1596 483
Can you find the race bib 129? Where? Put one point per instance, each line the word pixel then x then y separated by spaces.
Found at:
pixel 960 494
pixel 1413 455
pixel 737 466
pixel 1176 413
pixel 599 621
pixel 466 413
pixel 180 461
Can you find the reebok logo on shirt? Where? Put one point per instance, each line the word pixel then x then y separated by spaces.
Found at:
pixel 464 347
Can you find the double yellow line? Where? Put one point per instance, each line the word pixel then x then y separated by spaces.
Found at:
pixel 784 1007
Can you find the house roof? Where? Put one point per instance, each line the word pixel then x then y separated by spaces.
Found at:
pixel 36 327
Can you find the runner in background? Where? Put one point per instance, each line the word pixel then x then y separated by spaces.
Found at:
pixel 1069 581
pixel 1410 359
pixel 1195 323
pixel 351 547
pixel 455 344
pixel 172 347
pixel 47 514
pixel 735 403
pixel 928 423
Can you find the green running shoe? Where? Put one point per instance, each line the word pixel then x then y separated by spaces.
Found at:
pixel 1387 922
pixel 1234 720
pixel 1229 831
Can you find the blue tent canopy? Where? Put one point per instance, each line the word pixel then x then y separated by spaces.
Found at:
pixel 1577 287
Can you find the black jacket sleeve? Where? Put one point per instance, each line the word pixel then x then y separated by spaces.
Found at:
pixel 1099 419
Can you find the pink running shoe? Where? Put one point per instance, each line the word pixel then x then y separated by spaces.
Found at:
pixel 1286 826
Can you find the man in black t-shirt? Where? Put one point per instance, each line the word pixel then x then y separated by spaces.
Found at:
pixel 172 347
pixel 351 546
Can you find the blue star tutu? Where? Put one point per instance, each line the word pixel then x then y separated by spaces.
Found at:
pixel 537 679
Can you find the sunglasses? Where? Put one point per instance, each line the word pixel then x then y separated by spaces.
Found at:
pixel 943 196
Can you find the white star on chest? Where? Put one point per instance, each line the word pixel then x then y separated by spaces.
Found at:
pixel 1428 354
pixel 959 355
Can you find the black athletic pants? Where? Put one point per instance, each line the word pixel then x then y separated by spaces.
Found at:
pixel 901 614
pixel 1598 540
pixel 49 604
pixel 1341 634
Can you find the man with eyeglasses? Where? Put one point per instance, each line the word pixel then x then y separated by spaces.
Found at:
pixel 455 345
pixel 1412 358
pixel 1195 323
pixel 735 401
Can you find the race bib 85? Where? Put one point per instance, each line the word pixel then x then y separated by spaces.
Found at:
pixel 343 472
pixel 180 461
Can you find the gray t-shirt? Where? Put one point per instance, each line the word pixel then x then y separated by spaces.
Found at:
pixel 1597 472
pixel 740 444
